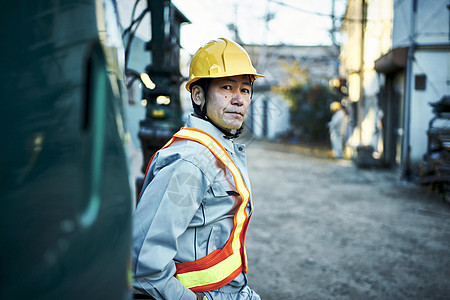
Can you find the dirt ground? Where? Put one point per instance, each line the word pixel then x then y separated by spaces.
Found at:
pixel 324 229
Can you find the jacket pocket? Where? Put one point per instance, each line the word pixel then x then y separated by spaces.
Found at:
pixel 214 240
pixel 218 189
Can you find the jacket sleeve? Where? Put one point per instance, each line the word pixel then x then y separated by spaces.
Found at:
pixel 167 206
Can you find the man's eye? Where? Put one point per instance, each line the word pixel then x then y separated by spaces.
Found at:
pixel 227 87
pixel 246 91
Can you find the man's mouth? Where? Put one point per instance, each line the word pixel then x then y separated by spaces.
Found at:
pixel 234 112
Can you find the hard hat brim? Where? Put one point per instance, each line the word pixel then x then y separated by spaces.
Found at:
pixel 192 80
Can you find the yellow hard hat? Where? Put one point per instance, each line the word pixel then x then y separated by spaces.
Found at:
pixel 220 58
pixel 335 106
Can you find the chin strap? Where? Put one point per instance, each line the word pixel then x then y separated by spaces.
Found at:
pixel 231 135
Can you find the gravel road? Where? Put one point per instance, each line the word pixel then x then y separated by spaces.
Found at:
pixel 323 229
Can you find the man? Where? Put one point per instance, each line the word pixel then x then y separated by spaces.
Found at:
pixel 338 128
pixel 190 222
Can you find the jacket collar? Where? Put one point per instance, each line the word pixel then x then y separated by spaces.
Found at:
pixel 209 128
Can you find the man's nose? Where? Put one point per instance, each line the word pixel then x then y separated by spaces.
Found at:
pixel 238 99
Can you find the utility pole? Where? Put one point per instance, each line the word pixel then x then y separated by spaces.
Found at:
pixel 333 35
pixel 163 110
pixel 406 148
pixel 333 22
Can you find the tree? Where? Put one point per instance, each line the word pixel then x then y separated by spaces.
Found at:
pixel 309 104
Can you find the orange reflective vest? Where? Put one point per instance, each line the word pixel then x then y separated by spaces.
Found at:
pixel 223 265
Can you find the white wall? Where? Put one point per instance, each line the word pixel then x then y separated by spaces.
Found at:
pixel 431 22
pixel 431 28
pixel 277 115
pixel 435 65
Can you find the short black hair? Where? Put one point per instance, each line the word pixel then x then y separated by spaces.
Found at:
pixel 202 82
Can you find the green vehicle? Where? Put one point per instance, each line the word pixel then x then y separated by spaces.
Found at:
pixel 65 193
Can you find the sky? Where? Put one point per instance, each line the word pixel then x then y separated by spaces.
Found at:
pixel 291 22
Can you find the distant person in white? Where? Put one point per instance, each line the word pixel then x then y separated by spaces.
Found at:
pixel 338 128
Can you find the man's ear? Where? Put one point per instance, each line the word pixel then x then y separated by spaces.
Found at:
pixel 198 96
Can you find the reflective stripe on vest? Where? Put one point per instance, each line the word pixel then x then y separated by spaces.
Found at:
pixel 223 265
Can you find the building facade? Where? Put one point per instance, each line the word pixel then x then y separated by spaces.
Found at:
pixel 269 115
pixel 395 57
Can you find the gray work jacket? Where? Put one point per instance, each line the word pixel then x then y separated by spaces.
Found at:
pixel 185 212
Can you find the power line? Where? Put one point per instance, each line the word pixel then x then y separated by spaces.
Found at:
pixel 300 9
pixel 322 14
pixel 130 31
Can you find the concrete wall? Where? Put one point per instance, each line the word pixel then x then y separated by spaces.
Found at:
pixel 431 22
pixel 435 65
pixel 431 59
pixel 276 111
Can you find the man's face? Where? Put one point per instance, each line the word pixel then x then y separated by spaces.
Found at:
pixel 228 101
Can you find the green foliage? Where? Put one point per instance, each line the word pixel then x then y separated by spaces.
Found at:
pixel 309 109
pixel 309 103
